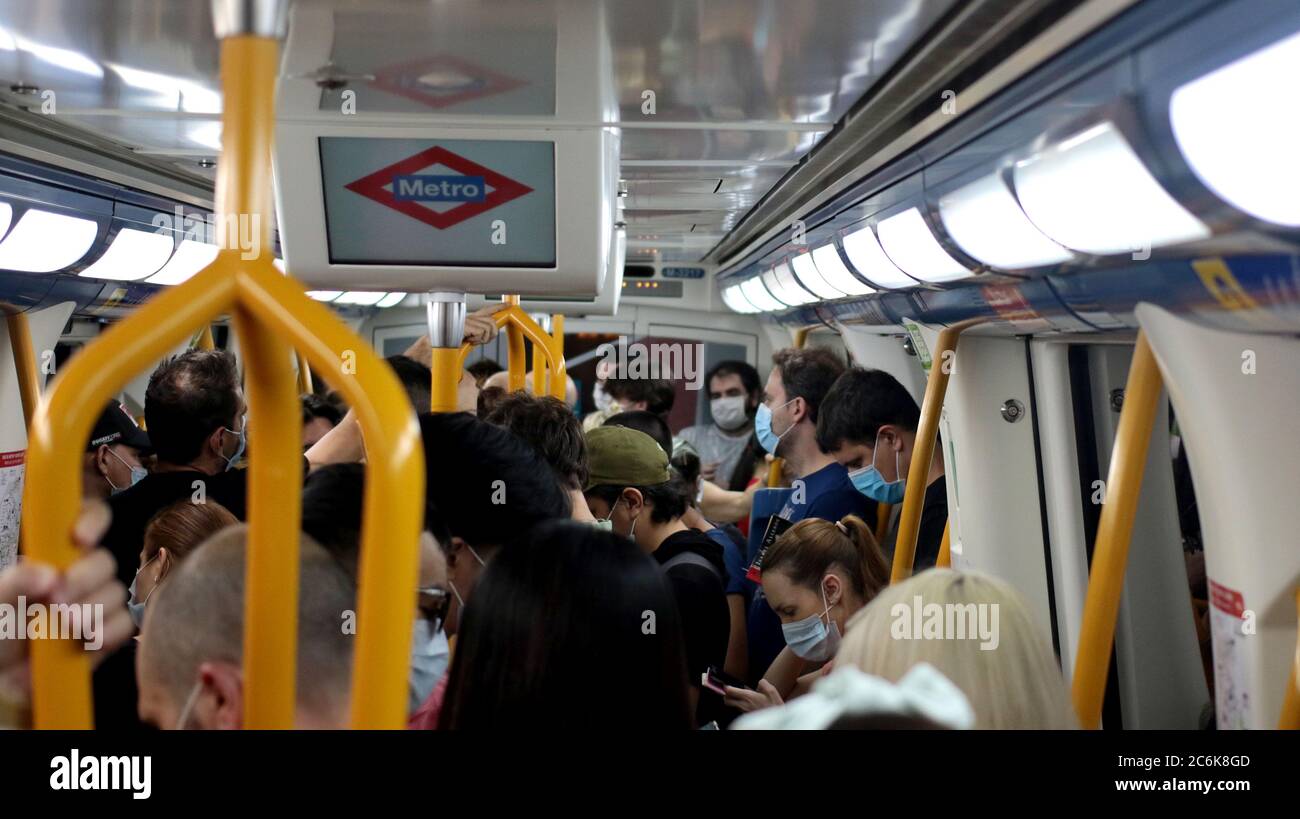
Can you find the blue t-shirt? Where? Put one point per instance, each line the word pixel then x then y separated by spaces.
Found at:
pixel 734 557
pixel 827 494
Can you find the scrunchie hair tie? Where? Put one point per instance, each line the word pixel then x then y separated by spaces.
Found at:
pixel 842 528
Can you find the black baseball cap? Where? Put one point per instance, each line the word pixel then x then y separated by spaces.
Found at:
pixel 116 427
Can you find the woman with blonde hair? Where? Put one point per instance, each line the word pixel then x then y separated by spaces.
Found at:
pixel 977 631
pixel 815 576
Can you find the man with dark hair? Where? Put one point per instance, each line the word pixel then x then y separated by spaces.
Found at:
pixel 786 426
pixel 654 395
pixel 114 460
pixel 416 379
pixel 491 487
pixel 734 395
pixel 318 417
pixel 483 369
pixel 195 412
pixel 645 421
pixel 552 429
pixel 632 487
pixel 332 514
pixel 868 424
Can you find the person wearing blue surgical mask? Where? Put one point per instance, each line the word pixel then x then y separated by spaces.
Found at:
pixel 868 423
pixel 114 460
pixel 171 535
pixel 816 576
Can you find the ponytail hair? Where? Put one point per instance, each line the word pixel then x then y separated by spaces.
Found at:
pixel 807 550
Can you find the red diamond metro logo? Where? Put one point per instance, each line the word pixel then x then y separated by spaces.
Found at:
pixel 380 185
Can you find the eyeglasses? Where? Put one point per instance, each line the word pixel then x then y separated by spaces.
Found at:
pixel 433 603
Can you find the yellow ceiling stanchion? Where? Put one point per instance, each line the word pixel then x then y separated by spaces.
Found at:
pixel 271 312
pixel 305 385
pixel 20 342
pixel 936 387
pixel 205 340
pixel 1114 531
pixel 1290 719
pixel 559 383
pixel 945 548
pixel 548 348
pixel 883 510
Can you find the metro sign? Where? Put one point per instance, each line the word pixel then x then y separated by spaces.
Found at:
pixel 405 186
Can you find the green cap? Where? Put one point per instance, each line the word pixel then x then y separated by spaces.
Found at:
pixel 624 457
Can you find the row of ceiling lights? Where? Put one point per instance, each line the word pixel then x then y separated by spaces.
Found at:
pixel 1090 193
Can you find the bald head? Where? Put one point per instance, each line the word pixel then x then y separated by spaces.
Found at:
pixel 191 645
pixel 502 380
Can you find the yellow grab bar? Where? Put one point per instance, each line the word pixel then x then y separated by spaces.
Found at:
pixel 305 385
pixel 883 511
pixel 945 548
pixel 271 311
pixel 519 326
pixel 936 386
pixel 1114 530
pixel 204 340
pixel 29 383
pixel 1290 719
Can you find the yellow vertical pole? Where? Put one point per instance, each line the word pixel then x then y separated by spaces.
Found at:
pixel 205 340
pixel 515 364
pixel 883 511
pixel 801 337
pixel 305 384
pixel 539 371
pixel 1114 531
pixel 243 195
pixel 936 386
pixel 1290 720
pixel 559 383
pixel 20 343
pixel 945 548
pixel 446 379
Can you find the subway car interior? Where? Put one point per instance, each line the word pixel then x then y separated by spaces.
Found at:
pixel 959 321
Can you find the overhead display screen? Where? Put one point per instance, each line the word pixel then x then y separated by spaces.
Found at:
pixel 439 203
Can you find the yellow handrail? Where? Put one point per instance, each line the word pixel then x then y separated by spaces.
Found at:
pixel 29 383
pixel 936 386
pixel 519 326
pixel 945 548
pixel 1290 719
pixel 305 385
pixel 1114 530
pixel 204 341
pixel 883 511
pixel 271 311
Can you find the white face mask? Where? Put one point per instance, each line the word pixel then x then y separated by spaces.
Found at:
pixel 602 398
pixel 729 412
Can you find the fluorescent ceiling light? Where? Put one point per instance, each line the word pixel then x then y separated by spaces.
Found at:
pixel 390 299
pixel 790 285
pixel 362 297
pixel 6 216
pixel 758 295
pixel 869 260
pixel 190 257
pixel 836 273
pixel 1237 128
pixel 133 255
pixel 985 221
pixel 324 295
pixel 777 289
pixel 910 244
pixel 735 299
pixel 806 271
pixel 1092 193
pixel 42 242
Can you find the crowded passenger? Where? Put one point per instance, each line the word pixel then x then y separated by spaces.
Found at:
pixel 786 426
pixel 332 501
pixel 631 486
pixel 571 629
pixel 190 665
pixel 318 417
pixel 115 455
pixel 816 576
pixel 171 535
pixel 995 654
pixel 868 424
pixel 553 431
pixel 482 370
pixel 734 395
